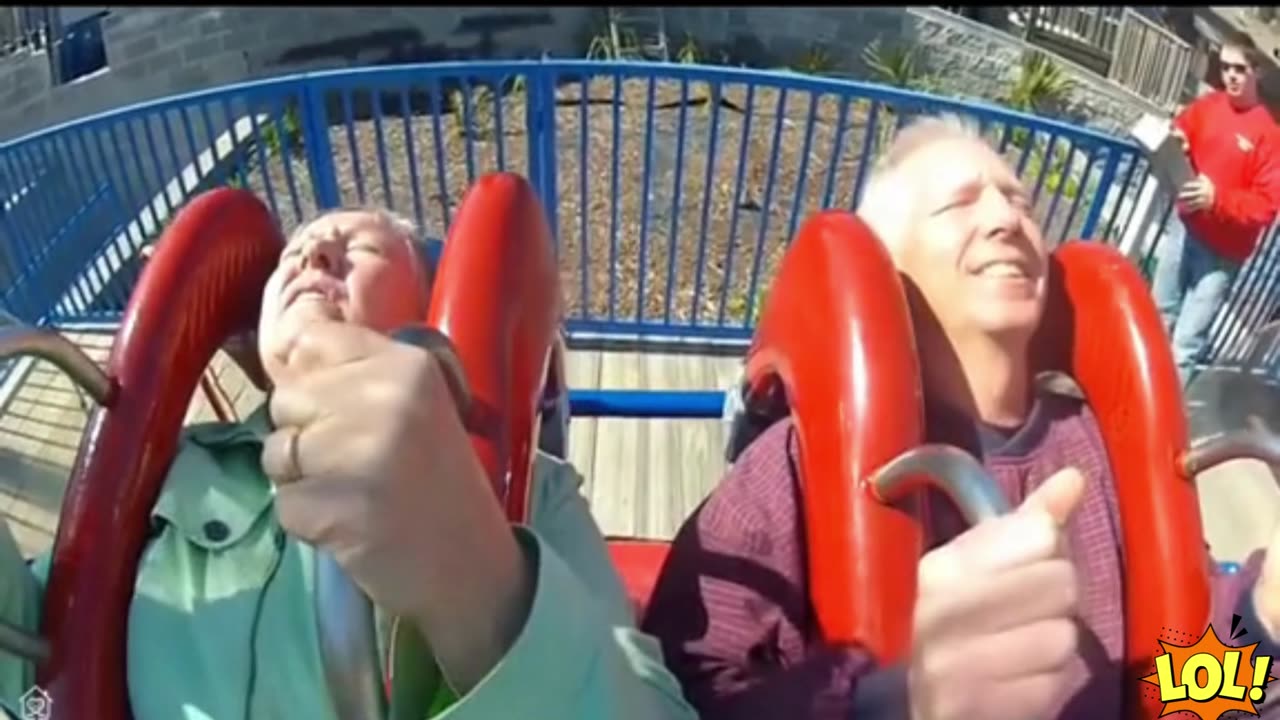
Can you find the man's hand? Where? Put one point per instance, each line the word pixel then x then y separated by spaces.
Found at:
pixel 1197 194
pixel 371 463
pixel 995 620
pixel 1182 138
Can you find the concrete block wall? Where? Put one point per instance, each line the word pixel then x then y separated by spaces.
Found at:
pixel 158 52
pixel 972 60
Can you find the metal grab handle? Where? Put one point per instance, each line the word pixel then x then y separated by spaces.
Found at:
pixel 348 643
pixel 1256 443
pixel 953 471
pixel 20 339
pixel 17 338
pixel 345 618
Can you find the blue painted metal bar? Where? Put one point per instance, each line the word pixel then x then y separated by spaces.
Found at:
pixel 318 148
pixel 614 206
pixel 348 117
pixel 713 133
pixel 468 122
pixel 727 277
pixel 380 147
pixel 407 118
pixel 646 192
pixel 584 197
pixel 673 240
pixel 280 111
pixel 646 403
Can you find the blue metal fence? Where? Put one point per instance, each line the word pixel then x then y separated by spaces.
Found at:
pixel 673 189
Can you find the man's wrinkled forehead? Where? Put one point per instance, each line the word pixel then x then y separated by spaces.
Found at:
pixel 340 225
pixel 940 169
pixel 1232 55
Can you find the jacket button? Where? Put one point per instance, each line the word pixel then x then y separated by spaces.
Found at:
pixel 216 530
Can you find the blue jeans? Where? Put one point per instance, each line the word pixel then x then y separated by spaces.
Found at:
pixel 1190 286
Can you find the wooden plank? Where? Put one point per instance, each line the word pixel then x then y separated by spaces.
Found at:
pixel 646 475
pixel 582 370
pixel 621 446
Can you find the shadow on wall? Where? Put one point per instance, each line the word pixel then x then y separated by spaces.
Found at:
pixel 407 45
pixel 396 46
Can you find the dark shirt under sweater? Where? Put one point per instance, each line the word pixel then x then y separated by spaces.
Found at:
pixel 737 628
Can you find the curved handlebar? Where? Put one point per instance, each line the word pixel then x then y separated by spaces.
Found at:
pixel 16 339
pixel 19 339
pixel 347 632
pixel 951 470
pixel 1257 443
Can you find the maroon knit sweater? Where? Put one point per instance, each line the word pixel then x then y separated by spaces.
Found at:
pixel 737 627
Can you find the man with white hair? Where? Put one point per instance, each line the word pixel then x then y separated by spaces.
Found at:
pixel 359 451
pixel 1017 617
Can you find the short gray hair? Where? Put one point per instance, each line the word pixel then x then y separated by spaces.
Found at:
pixel 401 224
pixel 887 197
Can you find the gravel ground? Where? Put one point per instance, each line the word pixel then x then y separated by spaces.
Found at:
pixel 601 256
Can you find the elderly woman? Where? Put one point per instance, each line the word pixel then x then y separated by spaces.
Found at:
pixel 359 452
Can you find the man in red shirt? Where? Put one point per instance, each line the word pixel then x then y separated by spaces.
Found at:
pixel 1232 142
pixel 1017 617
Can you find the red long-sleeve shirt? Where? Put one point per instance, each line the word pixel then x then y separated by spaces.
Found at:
pixel 1240 152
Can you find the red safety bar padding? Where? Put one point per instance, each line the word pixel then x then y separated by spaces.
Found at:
pixel 1102 328
pixel 639 562
pixel 203 284
pixel 497 297
pixel 836 333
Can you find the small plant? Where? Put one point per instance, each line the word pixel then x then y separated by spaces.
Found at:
pixel 689 54
pixel 1056 175
pixel 737 304
pixel 479 118
pixel 897 66
pixel 291 124
pixel 817 60
pixel 600 48
pixel 1042 86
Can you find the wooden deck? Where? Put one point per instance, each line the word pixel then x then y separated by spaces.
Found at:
pixel 642 477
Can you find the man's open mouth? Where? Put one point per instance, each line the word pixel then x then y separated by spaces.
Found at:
pixel 314 288
pixel 1015 269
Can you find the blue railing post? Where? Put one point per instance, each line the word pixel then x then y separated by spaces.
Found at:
pixel 1100 195
pixel 315 143
pixel 540 123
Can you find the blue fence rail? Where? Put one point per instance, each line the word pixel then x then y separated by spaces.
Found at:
pixel 673 189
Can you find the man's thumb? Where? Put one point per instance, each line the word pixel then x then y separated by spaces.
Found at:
pixel 1059 495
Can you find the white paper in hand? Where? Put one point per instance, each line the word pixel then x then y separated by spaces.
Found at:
pixel 1164 151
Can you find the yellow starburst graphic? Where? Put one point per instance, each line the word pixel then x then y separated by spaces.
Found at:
pixel 1208 678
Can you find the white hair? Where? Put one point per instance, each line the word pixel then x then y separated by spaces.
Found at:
pixel 400 224
pixel 887 198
